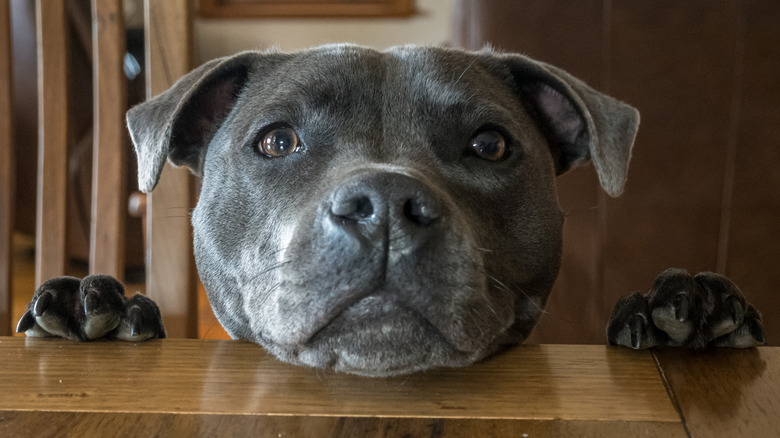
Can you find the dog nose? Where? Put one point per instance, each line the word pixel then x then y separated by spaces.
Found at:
pixel 394 206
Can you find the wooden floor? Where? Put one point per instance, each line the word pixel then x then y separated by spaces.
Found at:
pixel 24 285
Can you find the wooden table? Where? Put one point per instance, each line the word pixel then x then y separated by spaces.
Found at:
pixel 177 387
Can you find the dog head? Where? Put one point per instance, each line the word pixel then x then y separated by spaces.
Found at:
pixel 380 212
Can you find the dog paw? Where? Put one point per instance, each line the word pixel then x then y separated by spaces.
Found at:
pixel 91 308
pixel 141 320
pixel 690 311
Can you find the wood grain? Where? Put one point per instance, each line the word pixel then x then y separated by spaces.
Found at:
pixel 726 393
pixel 177 376
pixel 753 230
pixel 7 169
pixel 170 273
pixel 135 425
pixel 52 139
pixel 109 207
pixel 305 8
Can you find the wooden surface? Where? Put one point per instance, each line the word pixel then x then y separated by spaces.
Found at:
pixel 170 273
pixel 7 166
pixel 52 140
pixel 193 387
pixel 726 392
pixel 109 208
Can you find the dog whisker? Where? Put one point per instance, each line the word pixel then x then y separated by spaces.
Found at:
pixel 273 288
pixel 504 287
pixel 580 210
pixel 272 268
pixel 206 335
pixel 464 71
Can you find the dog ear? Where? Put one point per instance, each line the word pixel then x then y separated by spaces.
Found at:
pixel 178 123
pixel 580 123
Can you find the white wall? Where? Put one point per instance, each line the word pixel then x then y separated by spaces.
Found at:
pixel 219 37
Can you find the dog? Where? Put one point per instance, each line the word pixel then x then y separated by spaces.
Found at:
pixel 387 212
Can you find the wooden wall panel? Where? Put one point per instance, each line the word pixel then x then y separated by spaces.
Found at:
pixel 170 274
pixel 52 139
pixel 7 166
pixel 109 207
pixel 702 190
pixel 674 61
pixel 753 258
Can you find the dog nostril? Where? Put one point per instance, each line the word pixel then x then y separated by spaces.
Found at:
pixel 354 209
pixel 420 213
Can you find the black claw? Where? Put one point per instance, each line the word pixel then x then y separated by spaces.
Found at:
pixel 637 326
pixel 91 303
pixel 135 322
pixel 757 330
pixel 681 307
pixel 42 303
pixel 26 322
pixel 738 313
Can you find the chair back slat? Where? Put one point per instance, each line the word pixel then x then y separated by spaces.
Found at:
pixel 52 48
pixel 7 166
pixel 109 203
pixel 170 274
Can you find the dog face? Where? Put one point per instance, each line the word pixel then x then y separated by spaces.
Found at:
pixel 380 212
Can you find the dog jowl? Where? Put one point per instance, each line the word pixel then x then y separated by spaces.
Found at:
pixel 380 212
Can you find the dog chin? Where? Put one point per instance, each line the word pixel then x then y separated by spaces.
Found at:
pixel 377 341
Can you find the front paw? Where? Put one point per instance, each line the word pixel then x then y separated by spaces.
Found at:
pixel 88 309
pixel 681 310
pixel 54 310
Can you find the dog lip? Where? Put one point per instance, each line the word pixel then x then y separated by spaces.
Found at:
pixel 387 299
pixel 335 314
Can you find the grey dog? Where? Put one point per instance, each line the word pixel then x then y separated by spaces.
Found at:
pixel 388 212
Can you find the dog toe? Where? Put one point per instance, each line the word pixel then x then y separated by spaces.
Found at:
pixel 102 300
pixel 26 322
pixel 141 321
pixel 672 318
pixel 670 301
pixel 630 326
pixel 748 333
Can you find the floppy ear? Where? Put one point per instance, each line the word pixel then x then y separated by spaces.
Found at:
pixel 178 123
pixel 579 122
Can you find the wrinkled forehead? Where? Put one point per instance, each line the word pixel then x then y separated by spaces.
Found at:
pixel 443 77
pixel 363 90
pixel 354 74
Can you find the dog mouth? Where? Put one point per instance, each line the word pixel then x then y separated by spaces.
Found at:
pixel 379 335
pixel 375 314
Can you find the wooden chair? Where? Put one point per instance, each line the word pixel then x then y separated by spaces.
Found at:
pixel 170 278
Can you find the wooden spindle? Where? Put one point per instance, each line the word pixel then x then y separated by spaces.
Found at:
pixel 52 40
pixel 170 273
pixel 107 243
pixel 7 168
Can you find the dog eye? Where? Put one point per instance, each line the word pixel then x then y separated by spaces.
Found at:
pixel 489 145
pixel 279 142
